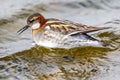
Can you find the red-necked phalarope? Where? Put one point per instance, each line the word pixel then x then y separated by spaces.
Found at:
pixel 55 33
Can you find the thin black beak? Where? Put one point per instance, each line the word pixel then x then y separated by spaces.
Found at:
pixel 23 29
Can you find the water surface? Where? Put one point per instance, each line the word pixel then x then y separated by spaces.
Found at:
pixel 20 60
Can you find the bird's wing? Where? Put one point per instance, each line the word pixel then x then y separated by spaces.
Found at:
pixel 68 27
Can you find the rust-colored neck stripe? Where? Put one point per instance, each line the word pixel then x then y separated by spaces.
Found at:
pixel 42 25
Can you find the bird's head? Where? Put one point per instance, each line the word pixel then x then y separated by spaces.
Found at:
pixel 35 21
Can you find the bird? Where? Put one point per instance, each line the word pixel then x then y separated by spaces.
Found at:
pixel 57 33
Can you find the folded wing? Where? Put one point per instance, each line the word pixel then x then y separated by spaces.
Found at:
pixel 69 28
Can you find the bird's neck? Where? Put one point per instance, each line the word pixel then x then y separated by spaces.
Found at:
pixel 42 25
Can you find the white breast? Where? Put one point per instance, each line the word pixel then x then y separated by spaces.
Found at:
pixel 36 25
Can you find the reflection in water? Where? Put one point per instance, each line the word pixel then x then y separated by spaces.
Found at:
pixel 21 61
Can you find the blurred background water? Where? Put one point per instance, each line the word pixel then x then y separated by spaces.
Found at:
pixel 20 60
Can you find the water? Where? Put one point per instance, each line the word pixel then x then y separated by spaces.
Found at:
pixel 20 60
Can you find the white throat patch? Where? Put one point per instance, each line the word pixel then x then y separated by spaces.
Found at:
pixel 36 25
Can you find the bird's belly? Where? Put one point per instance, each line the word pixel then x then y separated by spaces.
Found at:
pixel 48 44
pixel 67 43
pixel 63 41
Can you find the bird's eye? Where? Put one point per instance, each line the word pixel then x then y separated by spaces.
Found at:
pixel 31 20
